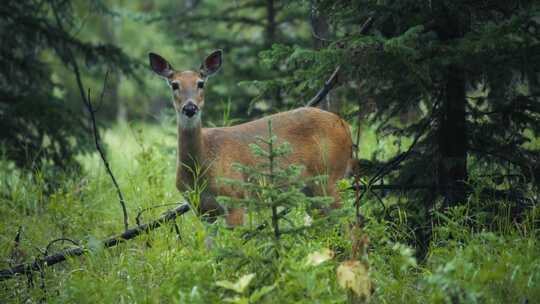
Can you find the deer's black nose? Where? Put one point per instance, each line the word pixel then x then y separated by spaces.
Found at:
pixel 190 109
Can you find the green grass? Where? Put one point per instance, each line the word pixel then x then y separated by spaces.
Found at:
pixel 464 265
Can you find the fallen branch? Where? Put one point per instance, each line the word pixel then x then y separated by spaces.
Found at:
pixel 80 250
pixel 139 214
pixel 392 187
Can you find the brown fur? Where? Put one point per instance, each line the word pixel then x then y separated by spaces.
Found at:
pixel 320 141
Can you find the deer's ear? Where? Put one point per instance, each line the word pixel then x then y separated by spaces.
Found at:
pixel 160 66
pixel 211 63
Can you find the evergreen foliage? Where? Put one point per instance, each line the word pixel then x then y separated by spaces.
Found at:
pixel 37 126
pixel 272 190
pixel 471 70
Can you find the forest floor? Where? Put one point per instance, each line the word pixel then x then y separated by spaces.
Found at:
pixel 463 264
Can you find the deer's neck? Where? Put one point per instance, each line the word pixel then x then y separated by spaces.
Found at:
pixel 189 153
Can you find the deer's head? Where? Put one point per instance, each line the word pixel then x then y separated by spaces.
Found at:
pixel 187 86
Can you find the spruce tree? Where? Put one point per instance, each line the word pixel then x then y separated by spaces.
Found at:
pixel 473 69
pixel 271 190
pixel 37 126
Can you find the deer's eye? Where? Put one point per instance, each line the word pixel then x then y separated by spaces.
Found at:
pixel 174 85
pixel 200 84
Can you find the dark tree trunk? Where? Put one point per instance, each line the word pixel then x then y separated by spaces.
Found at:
pixel 452 133
pixel 269 39
pixel 320 28
pixel 270 31
pixel 452 140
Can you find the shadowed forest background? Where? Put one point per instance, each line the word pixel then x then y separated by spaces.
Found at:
pixel 443 99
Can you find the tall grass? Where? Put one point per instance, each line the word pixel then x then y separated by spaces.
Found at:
pixel 465 263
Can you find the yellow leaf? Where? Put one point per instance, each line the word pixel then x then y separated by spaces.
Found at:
pixel 240 285
pixel 308 220
pixel 319 257
pixel 353 275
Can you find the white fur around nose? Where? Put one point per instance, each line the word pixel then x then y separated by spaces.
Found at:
pixel 188 122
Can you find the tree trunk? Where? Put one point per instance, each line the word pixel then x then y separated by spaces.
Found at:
pixel 452 133
pixel 453 140
pixel 270 31
pixel 269 39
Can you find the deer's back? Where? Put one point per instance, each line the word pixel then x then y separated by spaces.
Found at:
pixel 320 141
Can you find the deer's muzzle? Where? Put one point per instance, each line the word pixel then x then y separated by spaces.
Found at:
pixel 190 109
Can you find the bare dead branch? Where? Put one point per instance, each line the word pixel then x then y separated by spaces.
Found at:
pixel 328 85
pixel 61 256
pixel 57 241
pixel 332 81
pixel 367 25
pixel 139 214
pixel 88 103
pixel 16 252
pixel 103 158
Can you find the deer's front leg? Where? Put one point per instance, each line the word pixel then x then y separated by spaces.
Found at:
pixel 209 207
pixel 235 217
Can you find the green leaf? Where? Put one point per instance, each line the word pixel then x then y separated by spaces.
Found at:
pixel 239 286
pixel 237 300
pixel 257 295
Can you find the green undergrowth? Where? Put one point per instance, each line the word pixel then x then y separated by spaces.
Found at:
pixel 210 263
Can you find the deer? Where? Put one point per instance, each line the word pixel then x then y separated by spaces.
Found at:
pixel 321 141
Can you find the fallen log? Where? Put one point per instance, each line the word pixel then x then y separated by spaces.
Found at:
pixel 80 250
